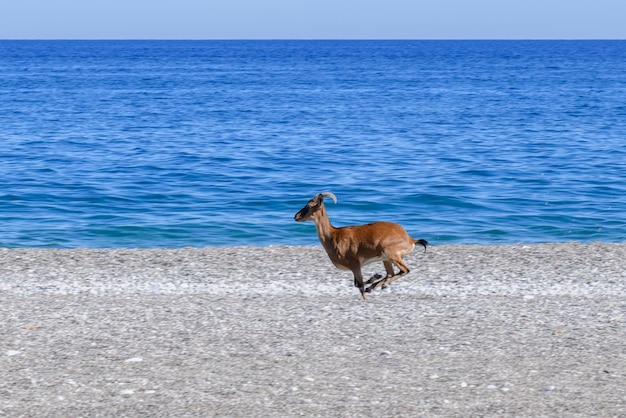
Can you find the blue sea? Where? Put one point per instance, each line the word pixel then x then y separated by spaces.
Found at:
pixel 108 144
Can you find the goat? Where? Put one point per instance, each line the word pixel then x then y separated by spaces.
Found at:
pixel 352 247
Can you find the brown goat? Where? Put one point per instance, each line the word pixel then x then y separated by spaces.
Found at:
pixel 352 247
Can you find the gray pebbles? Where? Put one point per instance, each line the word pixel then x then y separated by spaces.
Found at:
pixel 511 330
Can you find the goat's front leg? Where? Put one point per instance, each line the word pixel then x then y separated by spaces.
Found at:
pixel 358 280
pixel 373 279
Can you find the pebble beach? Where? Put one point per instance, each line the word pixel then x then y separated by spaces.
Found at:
pixel 473 330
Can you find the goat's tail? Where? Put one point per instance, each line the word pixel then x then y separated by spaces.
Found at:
pixel 422 242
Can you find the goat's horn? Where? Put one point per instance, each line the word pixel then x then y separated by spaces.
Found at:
pixel 329 194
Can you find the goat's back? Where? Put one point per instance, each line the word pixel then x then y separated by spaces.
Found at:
pixel 373 239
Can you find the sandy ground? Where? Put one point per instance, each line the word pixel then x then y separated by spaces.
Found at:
pixel 515 330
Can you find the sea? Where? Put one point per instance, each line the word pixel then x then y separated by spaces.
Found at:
pixel 171 144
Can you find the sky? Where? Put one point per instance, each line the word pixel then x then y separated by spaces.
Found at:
pixel 312 19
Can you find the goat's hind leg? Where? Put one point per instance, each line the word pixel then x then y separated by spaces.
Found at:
pixel 383 281
pixel 404 270
pixel 377 277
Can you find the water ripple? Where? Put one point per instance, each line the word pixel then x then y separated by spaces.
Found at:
pixel 171 144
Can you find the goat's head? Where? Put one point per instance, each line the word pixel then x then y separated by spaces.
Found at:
pixel 313 206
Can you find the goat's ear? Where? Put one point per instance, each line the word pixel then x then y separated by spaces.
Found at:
pixel 319 198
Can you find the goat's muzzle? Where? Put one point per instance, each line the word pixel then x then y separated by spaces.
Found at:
pixel 298 217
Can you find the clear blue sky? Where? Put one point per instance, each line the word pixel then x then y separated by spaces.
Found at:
pixel 312 19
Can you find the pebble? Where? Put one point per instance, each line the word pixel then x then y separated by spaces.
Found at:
pixel 235 323
pixel 158 271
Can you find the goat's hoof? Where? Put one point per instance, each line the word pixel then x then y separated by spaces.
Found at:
pixel 374 278
pixel 371 288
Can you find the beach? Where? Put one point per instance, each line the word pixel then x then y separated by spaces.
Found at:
pixel 473 330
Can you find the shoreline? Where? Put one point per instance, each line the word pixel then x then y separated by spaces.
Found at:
pixel 489 330
pixel 561 268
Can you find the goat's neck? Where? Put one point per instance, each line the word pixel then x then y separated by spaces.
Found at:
pixel 324 228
